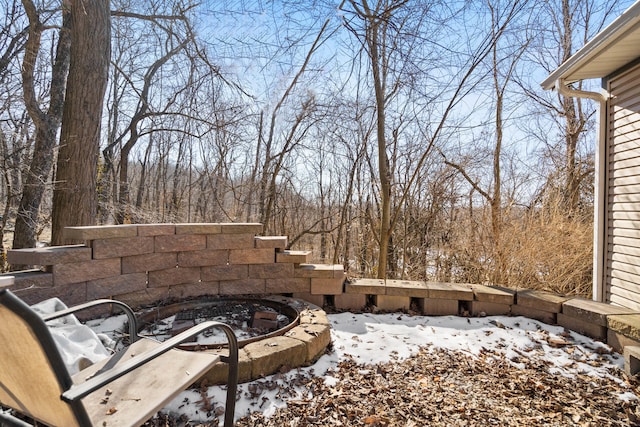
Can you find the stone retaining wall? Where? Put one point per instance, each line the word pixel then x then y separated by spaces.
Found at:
pixel 617 326
pixel 145 264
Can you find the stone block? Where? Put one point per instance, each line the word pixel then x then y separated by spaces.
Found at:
pixel 6 281
pixel 145 230
pixel 71 294
pixel 287 285
pixel 582 326
pixel 241 228
pixel 35 279
pixel 366 286
pixel 219 371
pixel 271 271
pixel 625 324
pixel 541 300
pixel 493 294
pixel 451 291
pixel 294 257
pixel 49 255
pixel 296 303
pixel 145 297
pixel 310 298
pixel 195 289
pixel 486 308
pixel 618 341
pixel 533 313
pixel 198 228
pixel 319 270
pixel 93 232
pixel 121 246
pixel 116 285
pixel 149 262
pixel 439 307
pixel 230 241
pixel 252 256
pixel 407 288
pixel 591 311
pixel 203 258
pixel 316 338
pixel 174 276
pixel 354 302
pixel 84 271
pixel 391 303
pixel 314 316
pixel 275 242
pixel 243 287
pixel 225 272
pixel 631 360
pixel 180 243
pixel 333 286
pixel 274 354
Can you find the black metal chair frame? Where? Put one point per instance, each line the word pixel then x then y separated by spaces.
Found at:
pixel 73 393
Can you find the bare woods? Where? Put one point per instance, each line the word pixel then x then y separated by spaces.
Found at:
pixel 400 139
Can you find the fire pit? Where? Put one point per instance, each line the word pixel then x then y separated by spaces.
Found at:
pixel 274 333
pixel 252 319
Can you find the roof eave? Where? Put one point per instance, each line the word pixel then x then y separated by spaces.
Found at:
pixel 594 47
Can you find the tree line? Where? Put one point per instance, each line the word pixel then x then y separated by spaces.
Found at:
pixel 402 139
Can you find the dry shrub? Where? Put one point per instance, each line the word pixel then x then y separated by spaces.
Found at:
pixel 549 250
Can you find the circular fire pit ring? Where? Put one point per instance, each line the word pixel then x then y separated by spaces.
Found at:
pixel 253 319
pixel 298 341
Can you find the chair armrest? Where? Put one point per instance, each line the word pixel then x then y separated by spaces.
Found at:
pixel 94 383
pixel 133 323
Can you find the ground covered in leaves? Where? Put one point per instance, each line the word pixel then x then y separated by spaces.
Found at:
pixel 447 388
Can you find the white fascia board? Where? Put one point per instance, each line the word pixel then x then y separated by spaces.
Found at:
pixel 602 44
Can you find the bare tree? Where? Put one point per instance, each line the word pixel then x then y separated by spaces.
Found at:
pixel 562 27
pixel 14 121
pixel 377 39
pixel 503 66
pixel 398 46
pixel 46 122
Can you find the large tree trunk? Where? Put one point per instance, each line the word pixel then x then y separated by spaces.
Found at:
pixel 75 196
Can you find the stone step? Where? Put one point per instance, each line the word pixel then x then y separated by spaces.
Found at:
pixel 493 294
pixel 366 286
pixel 625 324
pixel 541 300
pixel 296 257
pixel 590 311
pixel 410 288
pixel 275 242
pixel 319 270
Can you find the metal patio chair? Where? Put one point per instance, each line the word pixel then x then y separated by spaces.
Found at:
pixel 126 389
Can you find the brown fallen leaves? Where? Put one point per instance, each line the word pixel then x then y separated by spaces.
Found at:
pixel 444 388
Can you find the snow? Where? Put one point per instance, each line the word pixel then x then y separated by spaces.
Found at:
pixel 370 339
pixel 377 338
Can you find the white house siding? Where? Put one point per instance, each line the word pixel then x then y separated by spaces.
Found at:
pixel 622 264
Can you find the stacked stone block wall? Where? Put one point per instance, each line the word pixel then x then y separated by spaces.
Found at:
pixel 617 326
pixel 148 263
pixel 145 264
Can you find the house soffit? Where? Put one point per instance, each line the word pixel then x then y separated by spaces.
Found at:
pixel 611 49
